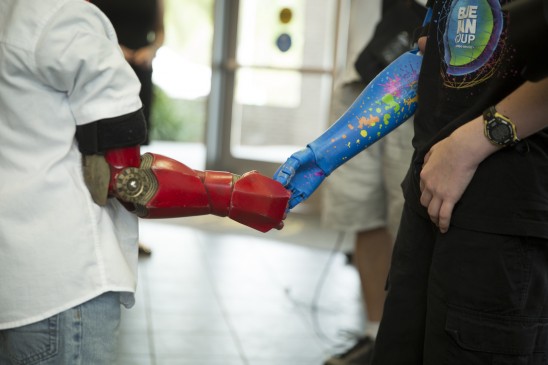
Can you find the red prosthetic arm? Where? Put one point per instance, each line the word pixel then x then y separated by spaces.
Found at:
pixel 155 186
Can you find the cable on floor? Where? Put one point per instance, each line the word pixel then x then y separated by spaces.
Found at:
pixel 314 304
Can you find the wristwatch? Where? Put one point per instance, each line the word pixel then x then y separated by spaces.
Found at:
pixel 499 129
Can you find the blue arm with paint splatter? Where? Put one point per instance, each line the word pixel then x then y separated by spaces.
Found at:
pixel 388 101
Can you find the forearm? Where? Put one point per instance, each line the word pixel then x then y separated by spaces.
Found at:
pixel 527 107
pixel 387 101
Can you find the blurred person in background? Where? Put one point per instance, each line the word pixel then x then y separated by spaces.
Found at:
pixel 139 25
pixel 363 197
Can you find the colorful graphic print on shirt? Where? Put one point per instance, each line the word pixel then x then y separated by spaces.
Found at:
pixel 473 41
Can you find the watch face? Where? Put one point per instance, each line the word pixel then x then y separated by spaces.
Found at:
pixel 499 131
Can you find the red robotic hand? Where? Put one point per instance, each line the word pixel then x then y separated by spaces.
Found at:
pixel 155 186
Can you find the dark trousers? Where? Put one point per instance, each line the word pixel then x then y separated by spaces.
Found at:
pixel 464 298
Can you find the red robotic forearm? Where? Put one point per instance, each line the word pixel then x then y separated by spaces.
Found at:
pixel 160 187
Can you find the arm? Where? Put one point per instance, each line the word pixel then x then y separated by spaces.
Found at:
pixel 155 186
pixel 450 164
pixel 389 100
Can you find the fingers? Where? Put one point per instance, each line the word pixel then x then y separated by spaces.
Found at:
pixel 439 210
pixel 426 195
pixel 282 177
pixel 294 164
pixel 285 172
pixel 296 198
pixel 444 216
pixel 434 210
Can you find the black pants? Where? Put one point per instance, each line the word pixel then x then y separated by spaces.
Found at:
pixel 464 298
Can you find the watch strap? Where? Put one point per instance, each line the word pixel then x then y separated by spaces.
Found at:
pixel 489 113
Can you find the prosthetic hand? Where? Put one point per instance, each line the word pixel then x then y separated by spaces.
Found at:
pixel 155 186
pixel 301 175
pixel 388 101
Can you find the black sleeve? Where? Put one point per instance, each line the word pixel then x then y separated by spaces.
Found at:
pixel 105 134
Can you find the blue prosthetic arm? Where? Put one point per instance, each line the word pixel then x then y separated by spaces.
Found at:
pixel 388 101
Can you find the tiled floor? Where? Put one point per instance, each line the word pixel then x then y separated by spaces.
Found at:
pixel 214 292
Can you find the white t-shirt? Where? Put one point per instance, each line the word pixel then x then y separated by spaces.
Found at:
pixel 60 66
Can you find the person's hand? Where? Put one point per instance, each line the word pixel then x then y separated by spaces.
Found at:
pixel 128 53
pixel 301 175
pixel 448 169
pixel 445 175
pixel 143 57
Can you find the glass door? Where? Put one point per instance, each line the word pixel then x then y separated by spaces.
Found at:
pixel 272 75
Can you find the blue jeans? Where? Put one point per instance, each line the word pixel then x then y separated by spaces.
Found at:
pixel 85 334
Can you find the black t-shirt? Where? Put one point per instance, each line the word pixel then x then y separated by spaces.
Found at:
pixel 133 20
pixel 469 65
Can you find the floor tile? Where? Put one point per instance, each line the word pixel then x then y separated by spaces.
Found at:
pixel 288 348
pixel 195 345
pixel 214 292
pixel 194 361
pixel 134 360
